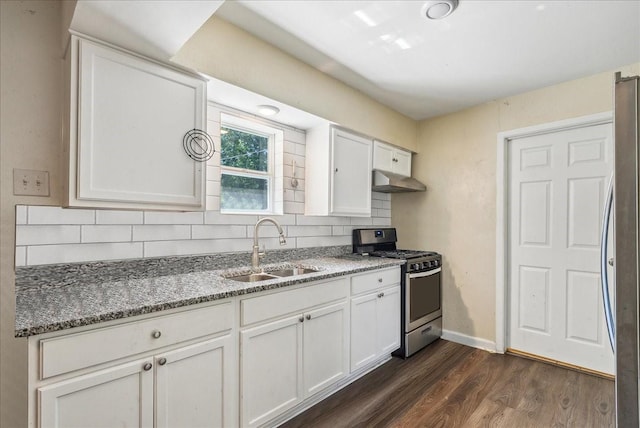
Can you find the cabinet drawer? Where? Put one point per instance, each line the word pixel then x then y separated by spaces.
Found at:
pixel 76 351
pixel 279 304
pixel 373 280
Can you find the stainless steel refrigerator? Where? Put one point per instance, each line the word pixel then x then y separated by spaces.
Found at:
pixel 621 305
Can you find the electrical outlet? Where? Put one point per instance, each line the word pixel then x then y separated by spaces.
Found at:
pixel 28 182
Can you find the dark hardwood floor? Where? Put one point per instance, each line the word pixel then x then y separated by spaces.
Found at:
pixel 451 385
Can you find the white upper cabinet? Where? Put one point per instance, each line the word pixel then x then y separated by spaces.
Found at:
pixel 338 173
pixel 391 159
pixel 127 119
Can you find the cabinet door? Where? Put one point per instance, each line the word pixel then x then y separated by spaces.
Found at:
pixel 194 386
pixel 351 174
pixel 364 326
pixel 119 396
pixel 388 318
pixel 325 353
pixel 132 116
pixel 383 157
pixel 271 369
pixel 402 163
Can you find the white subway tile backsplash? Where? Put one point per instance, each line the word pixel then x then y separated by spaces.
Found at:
pixel 322 241
pixel 378 221
pixel 21 256
pixel 106 233
pixel 215 217
pixel 322 220
pixel 213 188
pixel 213 203
pixel 47 234
pixel 199 246
pixel 21 214
pixel 361 221
pixel 71 253
pixel 296 231
pixel 163 232
pixel 293 207
pixel 294 136
pixel 218 231
pixel 159 217
pixel 119 217
pixel 57 215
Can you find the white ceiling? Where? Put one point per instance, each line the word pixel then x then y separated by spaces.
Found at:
pixel 483 51
pixel 156 28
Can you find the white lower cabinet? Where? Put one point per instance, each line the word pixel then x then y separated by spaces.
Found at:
pixel 193 385
pixel 375 318
pixel 183 369
pixel 119 396
pixel 287 360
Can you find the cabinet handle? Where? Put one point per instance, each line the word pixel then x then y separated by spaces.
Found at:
pixel 301 319
pixel 156 334
pixel 308 317
pixel 379 279
pixel 162 361
pixel 147 367
pixel 336 170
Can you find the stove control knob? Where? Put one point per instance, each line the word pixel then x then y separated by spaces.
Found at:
pixel 415 266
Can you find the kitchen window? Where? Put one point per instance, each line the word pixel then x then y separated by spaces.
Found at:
pixel 247 165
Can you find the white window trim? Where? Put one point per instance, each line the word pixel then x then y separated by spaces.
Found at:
pixel 275 148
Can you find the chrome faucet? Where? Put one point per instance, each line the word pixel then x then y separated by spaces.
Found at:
pixel 255 255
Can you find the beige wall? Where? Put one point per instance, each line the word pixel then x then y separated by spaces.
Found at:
pixel 31 77
pixel 457 214
pixel 229 53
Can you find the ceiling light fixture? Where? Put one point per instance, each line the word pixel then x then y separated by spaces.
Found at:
pixel 438 9
pixel 268 110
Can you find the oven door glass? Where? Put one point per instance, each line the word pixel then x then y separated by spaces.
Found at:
pixel 423 298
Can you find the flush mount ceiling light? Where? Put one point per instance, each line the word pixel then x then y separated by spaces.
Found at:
pixel 267 110
pixel 438 9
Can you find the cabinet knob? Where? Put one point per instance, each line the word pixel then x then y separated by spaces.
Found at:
pixel 308 316
pixel 162 361
pixel 147 367
pixel 380 294
pixel 379 279
pixel 301 319
pixel 156 334
pixel 336 170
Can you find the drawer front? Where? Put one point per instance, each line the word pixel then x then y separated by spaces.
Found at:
pixel 76 351
pixel 279 304
pixel 370 281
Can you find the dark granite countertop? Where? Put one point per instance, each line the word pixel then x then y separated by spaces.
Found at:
pixel 57 297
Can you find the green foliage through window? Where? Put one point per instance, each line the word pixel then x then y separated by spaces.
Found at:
pixel 244 150
pixel 245 180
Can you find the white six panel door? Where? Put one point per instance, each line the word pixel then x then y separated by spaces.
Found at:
pixel 557 189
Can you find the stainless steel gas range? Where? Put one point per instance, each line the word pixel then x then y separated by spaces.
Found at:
pixel 421 286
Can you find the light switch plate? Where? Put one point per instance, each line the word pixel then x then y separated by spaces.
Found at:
pixel 28 182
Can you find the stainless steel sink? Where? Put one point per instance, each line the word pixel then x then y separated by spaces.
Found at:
pixel 252 277
pixel 291 272
pixel 274 273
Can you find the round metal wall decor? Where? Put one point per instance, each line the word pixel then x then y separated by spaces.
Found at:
pixel 198 145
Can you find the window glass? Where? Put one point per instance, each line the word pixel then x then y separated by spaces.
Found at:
pixel 244 193
pixel 240 149
pixel 246 170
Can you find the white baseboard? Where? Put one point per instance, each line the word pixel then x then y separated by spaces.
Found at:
pixel 474 342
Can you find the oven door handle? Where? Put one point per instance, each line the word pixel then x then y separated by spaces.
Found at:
pixel 426 273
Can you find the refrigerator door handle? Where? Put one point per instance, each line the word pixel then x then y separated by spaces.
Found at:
pixel 608 312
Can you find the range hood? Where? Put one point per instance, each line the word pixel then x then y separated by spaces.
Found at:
pixel 387 182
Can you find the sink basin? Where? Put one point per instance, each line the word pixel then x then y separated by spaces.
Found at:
pixel 252 277
pixel 291 271
pixel 272 274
